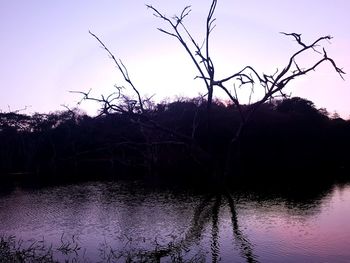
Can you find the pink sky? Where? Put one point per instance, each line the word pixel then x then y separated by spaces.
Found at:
pixel 46 50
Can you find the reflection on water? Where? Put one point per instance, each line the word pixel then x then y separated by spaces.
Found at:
pixel 128 220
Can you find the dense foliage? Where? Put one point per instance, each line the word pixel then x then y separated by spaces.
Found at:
pixel 284 136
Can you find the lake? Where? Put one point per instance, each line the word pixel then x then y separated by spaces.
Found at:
pixel 129 220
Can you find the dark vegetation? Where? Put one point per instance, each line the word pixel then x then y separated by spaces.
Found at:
pixel 286 138
pixel 13 250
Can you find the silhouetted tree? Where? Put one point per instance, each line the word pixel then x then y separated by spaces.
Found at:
pixel 168 125
pixel 272 84
pixel 301 107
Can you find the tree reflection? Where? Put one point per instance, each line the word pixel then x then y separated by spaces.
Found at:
pixel 207 210
pixel 215 245
pixel 242 241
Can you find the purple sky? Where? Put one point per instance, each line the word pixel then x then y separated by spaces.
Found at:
pixel 45 48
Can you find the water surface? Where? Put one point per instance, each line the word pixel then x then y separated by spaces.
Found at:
pixel 138 221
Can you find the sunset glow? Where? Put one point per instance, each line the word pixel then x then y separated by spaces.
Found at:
pixel 46 50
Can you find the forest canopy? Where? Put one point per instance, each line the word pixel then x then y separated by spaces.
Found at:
pixel 291 132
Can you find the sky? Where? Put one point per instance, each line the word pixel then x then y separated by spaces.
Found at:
pixel 46 49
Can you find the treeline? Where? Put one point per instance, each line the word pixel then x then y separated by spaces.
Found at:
pixel 173 140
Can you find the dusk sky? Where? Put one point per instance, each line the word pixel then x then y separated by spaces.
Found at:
pixel 46 50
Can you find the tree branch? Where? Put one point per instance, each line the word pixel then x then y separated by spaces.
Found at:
pixel 123 70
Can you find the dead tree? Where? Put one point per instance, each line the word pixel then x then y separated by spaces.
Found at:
pixel 117 101
pixel 272 84
pixel 199 54
pixel 139 112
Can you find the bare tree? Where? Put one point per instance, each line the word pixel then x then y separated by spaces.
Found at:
pixel 272 84
pixel 117 101
pixel 199 54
